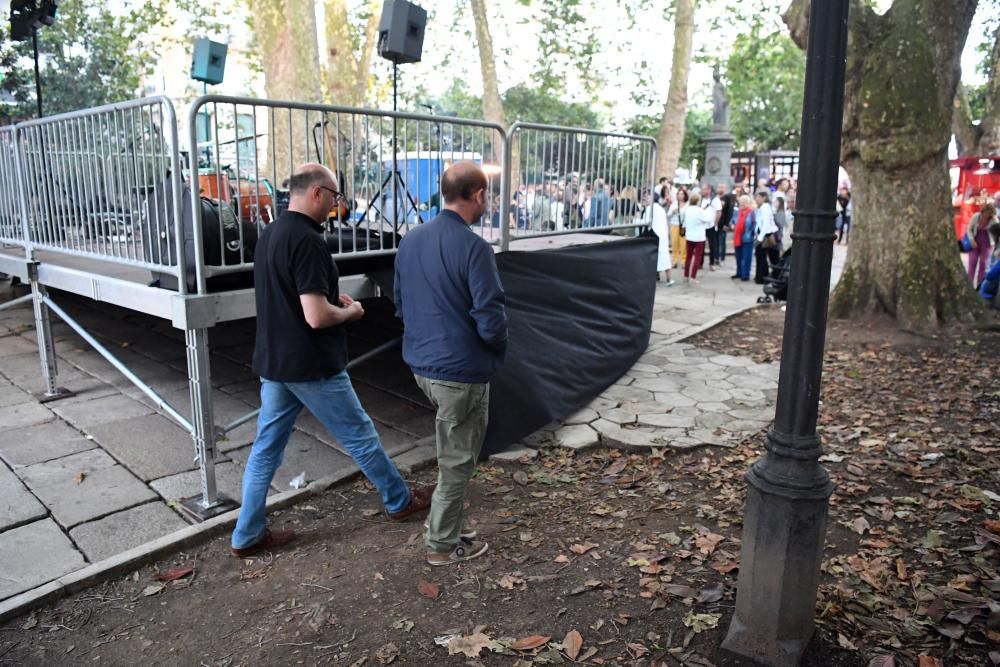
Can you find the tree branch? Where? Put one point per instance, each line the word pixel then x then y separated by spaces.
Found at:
pixel 796 17
pixel 966 132
pixel 989 125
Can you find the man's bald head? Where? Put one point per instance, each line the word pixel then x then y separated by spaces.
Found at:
pixel 461 181
pixel 463 186
pixel 310 175
pixel 312 191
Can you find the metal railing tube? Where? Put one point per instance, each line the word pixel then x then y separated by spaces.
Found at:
pixel 113 360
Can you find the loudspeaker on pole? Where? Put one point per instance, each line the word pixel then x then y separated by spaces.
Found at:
pixel 401 31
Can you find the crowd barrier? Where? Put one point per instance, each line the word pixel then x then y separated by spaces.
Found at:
pixel 106 204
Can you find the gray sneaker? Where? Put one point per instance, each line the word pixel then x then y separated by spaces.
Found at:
pixel 466 550
pixel 468 532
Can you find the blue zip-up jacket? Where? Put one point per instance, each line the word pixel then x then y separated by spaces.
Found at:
pixel 448 294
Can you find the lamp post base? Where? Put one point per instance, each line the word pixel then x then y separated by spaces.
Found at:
pixel 783 535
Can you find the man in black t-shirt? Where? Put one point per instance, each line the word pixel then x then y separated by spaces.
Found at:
pixel 301 357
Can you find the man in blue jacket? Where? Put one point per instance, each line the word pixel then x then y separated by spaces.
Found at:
pixel 448 294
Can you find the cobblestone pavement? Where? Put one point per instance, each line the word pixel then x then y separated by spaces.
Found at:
pixel 677 395
pixel 96 474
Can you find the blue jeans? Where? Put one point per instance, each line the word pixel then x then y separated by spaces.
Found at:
pixel 337 407
pixel 744 258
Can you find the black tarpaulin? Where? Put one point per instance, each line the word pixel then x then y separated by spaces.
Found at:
pixel 578 318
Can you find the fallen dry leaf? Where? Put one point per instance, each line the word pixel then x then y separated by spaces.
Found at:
pixel 706 542
pixel 470 646
pixel 928 661
pixel 174 574
pixel 882 661
pixel 530 642
pixel 582 548
pixel 572 644
pixel 701 622
pixel 680 590
pixel 387 653
pixel 860 525
pixel 429 589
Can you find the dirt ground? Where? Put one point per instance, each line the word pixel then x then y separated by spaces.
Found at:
pixel 608 557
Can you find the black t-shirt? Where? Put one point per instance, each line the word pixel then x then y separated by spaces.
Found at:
pixel 292 259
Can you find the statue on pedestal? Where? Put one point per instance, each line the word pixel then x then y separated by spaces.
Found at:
pixel 720 102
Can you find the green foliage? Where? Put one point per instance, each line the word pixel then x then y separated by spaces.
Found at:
pixel 91 56
pixel 564 42
pixel 539 105
pixel 766 81
pixel 697 125
pixel 535 105
pixel 976 97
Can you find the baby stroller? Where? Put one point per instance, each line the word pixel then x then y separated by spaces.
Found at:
pixel 776 284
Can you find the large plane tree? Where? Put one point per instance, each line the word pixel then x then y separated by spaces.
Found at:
pixel 902 74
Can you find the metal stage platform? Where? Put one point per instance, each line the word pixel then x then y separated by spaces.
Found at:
pixel 106 204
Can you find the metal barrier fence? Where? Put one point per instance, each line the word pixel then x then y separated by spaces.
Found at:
pixel 11 220
pixel 107 184
pixel 388 165
pixel 567 180
pixel 87 178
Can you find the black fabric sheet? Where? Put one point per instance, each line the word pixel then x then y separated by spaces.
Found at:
pixel 578 318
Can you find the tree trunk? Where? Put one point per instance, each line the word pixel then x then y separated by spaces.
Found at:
pixel 671 136
pixel 349 54
pixel 285 30
pixel 492 104
pixel 982 139
pixel 903 258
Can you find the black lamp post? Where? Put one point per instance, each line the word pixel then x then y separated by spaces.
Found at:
pixel 788 490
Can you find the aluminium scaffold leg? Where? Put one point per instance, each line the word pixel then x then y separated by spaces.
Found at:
pixel 46 345
pixel 210 503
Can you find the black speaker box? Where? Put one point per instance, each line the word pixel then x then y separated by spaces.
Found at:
pixel 401 31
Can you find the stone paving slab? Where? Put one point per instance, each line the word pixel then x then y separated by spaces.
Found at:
pixel 416 459
pixel 151 446
pixel 303 453
pixel 17 504
pixel 13 395
pixel 51 555
pixel 105 487
pixel 41 442
pixel 25 414
pixel 122 531
pixel 228 480
pixel 101 409
pixel 226 409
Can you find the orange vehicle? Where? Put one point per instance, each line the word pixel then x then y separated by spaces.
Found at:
pixel 974 176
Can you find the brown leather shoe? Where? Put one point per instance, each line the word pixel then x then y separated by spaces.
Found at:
pixel 270 540
pixel 420 499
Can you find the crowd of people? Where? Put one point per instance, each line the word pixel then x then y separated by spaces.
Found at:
pixel 699 220
pixel 982 243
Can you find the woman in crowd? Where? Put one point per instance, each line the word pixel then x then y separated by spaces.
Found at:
pixel 697 220
pixel 727 218
pixel 780 220
pixel 559 209
pixel 979 239
pixel 766 245
pixel 655 216
pixel 675 216
pixel 743 234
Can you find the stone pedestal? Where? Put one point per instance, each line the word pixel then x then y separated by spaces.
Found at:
pixel 718 155
pixel 783 535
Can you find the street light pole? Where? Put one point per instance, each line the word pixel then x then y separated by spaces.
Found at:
pixel 38 76
pixel 788 490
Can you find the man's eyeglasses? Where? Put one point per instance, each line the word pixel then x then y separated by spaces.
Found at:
pixel 337 196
